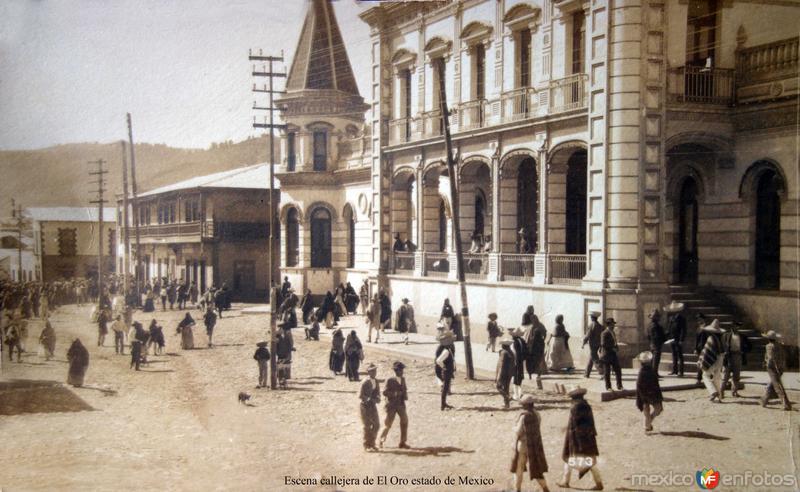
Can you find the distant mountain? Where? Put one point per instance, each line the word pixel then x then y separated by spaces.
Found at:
pixel 58 176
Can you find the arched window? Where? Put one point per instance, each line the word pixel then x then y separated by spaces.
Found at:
pixel 350 220
pixel 320 238
pixel 292 238
pixel 480 213
pixel 768 231
pixel 442 226
pixel 576 204
pixel 527 203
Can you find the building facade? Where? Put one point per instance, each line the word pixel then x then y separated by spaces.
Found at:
pixel 607 152
pixel 211 230
pixel 67 239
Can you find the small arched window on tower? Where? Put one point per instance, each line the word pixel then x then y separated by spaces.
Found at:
pixel 291 152
pixel 320 238
pixel 320 150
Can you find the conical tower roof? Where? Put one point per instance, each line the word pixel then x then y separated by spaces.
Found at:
pixel 320 60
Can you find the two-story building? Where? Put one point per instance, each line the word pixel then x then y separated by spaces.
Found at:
pixel 611 155
pixel 211 230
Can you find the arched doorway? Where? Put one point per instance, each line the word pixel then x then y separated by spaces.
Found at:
pixel 320 238
pixel 575 220
pixel 687 232
pixel 527 201
pixel 442 226
pixel 292 238
pixel 768 231
pixel 350 222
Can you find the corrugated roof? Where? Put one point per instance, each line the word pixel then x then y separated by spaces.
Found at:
pixel 252 177
pixel 71 214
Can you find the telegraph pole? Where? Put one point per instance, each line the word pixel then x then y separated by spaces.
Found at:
pixel 139 274
pixel 267 71
pixel 101 188
pixel 125 230
pixel 451 169
pixel 16 212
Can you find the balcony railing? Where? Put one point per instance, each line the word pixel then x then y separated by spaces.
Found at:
pixel 403 262
pixel 517 266
pixel 400 130
pixel 568 93
pixel 767 61
pixel 695 84
pixel 432 124
pixel 476 265
pixel 437 264
pixel 472 115
pixel 175 229
pixel 567 269
pixel 517 104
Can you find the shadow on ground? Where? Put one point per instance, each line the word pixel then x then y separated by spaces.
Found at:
pixel 20 396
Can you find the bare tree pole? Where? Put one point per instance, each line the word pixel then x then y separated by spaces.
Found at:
pixel 451 169
pixel 101 183
pixel 126 228
pixel 139 274
pixel 273 295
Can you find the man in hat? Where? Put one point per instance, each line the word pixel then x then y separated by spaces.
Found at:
pixel 370 396
pixel 262 357
pixel 734 345
pixel 374 318
pixel 580 443
pixel 775 363
pixel 520 354
pixel 505 370
pixel 592 337
pixel 676 328
pixel 445 364
pixel 655 335
pixel 700 341
pixel 648 391
pixel 710 361
pixel 609 357
pixel 119 328
pixel 210 321
pixel 447 314
pixel 528 447
pixel 405 319
pixel 396 395
pixel 535 336
pixel 363 294
pixel 399 245
pixel 493 332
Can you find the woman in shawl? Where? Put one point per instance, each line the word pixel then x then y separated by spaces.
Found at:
pixel 149 305
pixel 185 329
pixel 156 338
pixel 336 359
pixel 350 298
pixel 528 446
pixel 78 358
pixel 649 399
pixel 354 353
pixel 306 306
pixel 339 308
pixel 325 313
pixel 559 357
pixel 48 340
pixel 580 442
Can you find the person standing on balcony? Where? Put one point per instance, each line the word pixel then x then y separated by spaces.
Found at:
pixel 410 246
pixel 524 246
pixel 655 335
pixel 399 245
pixel 592 337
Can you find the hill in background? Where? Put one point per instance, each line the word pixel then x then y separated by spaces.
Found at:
pixel 58 176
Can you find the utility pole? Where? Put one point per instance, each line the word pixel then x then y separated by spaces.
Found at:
pixel 451 170
pixel 267 71
pixel 101 188
pixel 16 212
pixel 125 230
pixel 139 274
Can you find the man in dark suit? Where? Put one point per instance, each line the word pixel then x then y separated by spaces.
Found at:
pixel 609 346
pixel 370 396
pixel 396 395
pixel 676 328
pixel 655 335
pixel 592 337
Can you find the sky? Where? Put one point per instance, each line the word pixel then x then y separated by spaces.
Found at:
pixel 71 69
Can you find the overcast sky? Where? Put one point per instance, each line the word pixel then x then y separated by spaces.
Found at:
pixel 71 69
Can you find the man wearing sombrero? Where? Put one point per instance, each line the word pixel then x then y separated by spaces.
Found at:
pixel 676 330
pixel 711 359
pixel 775 363
pixel 580 443
pixel 505 370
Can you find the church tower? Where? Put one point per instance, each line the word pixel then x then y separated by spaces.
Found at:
pixel 324 182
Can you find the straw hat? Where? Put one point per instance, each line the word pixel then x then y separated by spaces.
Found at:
pixel 646 357
pixel 674 307
pixel 714 327
pixel 262 344
pixel 594 314
pixel 371 367
pixel 527 400
pixel 576 392
pixel 772 335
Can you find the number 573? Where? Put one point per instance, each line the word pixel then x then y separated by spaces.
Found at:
pixel 580 461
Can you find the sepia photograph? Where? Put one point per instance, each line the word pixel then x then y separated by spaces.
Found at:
pixel 397 245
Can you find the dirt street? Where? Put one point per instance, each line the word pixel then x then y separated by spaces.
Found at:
pixel 177 424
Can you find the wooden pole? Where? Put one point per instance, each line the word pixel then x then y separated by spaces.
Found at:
pixel 125 218
pixel 451 169
pixel 135 209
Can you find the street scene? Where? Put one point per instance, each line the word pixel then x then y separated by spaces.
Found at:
pixel 478 245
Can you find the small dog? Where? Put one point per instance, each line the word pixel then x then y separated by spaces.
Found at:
pixel 243 398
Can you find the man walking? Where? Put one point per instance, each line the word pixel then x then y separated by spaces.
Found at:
pixel 210 320
pixel 370 396
pixel 735 345
pixel 445 364
pixel 710 361
pixel 676 328
pixel 700 341
pixel 609 358
pixel 528 447
pixel 775 363
pixel 655 335
pixel 649 399
pixel 505 371
pixel 262 357
pixel 396 395
pixel 592 337
pixel 580 444
pixel 119 328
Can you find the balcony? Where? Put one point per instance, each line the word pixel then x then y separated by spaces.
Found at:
pixel 400 131
pixel 472 115
pixel 179 231
pixel 568 93
pixel 701 85
pixel 403 262
pixel 517 104
pixel 432 124
pixel 767 72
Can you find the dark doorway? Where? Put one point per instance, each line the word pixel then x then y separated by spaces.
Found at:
pixel 576 204
pixel 244 278
pixel 442 226
pixel 203 276
pixel 527 201
pixel 351 238
pixel 292 238
pixel 480 214
pixel 768 231
pixel 320 238
pixel 687 233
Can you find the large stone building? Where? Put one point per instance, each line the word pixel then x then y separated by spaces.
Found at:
pixel 611 150
pixel 67 241
pixel 212 230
